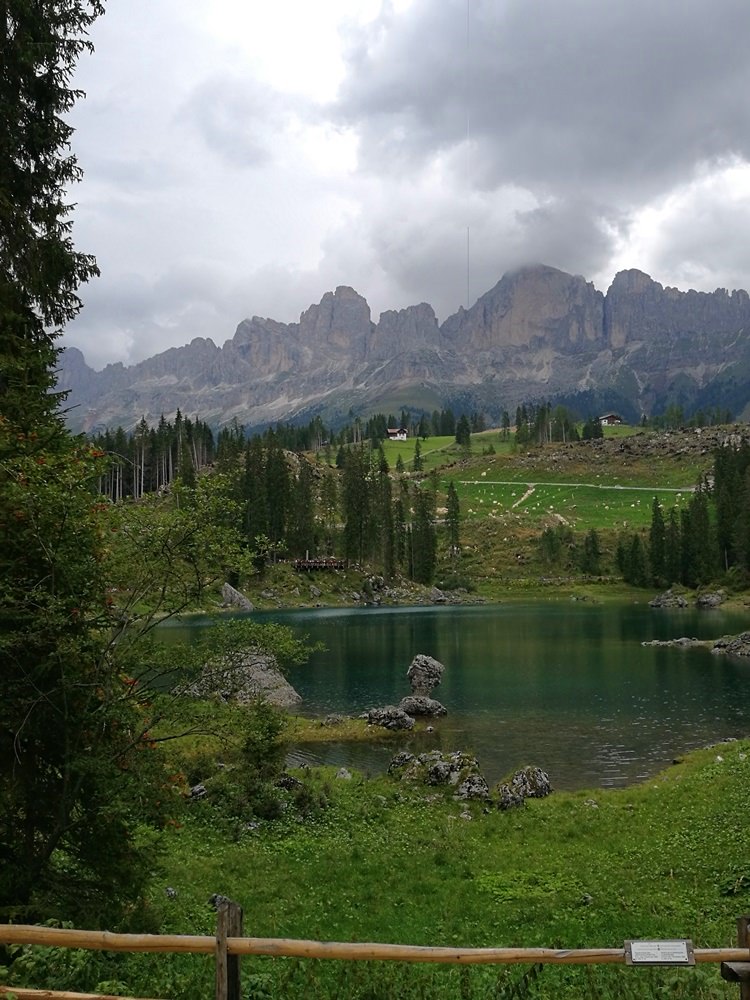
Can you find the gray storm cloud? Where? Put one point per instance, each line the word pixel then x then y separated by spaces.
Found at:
pixel 204 205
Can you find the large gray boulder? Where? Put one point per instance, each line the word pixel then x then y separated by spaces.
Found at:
pixel 528 783
pixel 711 599
pixel 422 705
pixel 233 598
pixel 244 678
pixel 424 674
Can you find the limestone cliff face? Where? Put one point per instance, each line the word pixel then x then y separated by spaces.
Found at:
pixel 539 333
pixel 405 331
pixel 341 322
pixel 534 306
pixel 637 308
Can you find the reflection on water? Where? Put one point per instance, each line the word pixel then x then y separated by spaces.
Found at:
pixel 567 686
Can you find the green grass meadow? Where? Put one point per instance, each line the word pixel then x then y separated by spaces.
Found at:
pixel 391 863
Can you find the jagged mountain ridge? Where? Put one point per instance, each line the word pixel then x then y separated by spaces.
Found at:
pixel 538 334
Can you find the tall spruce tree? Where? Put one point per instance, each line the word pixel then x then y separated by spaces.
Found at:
pixel 453 517
pixel 423 537
pixel 72 785
pixel 40 271
pixel 657 545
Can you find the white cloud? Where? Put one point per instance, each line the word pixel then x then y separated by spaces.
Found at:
pixel 244 158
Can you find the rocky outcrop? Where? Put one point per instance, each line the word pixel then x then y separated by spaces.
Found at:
pixel 668 600
pixel 458 770
pixel 233 598
pixel 637 308
pixel 711 599
pixel 528 783
pixel 244 679
pixel 538 334
pixel 389 717
pixel 737 646
pixel 535 306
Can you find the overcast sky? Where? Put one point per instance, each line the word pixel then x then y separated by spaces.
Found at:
pixel 243 157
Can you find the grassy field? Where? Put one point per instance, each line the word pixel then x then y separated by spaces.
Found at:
pixel 387 862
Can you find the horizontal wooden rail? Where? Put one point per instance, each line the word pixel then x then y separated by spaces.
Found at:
pixel 205 945
pixel 21 993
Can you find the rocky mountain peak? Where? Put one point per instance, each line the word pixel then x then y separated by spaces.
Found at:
pixel 340 321
pixel 535 304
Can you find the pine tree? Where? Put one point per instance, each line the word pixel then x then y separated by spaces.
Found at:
pixel 657 545
pixel 591 554
pixel 453 517
pixel 357 506
pixel 673 549
pixel 417 463
pixel 301 531
pixel 73 786
pixel 463 432
pixel 423 537
pixel 40 271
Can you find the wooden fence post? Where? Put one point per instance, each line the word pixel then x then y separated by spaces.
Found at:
pixel 739 972
pixel 228 924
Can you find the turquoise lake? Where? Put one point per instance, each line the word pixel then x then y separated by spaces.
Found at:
pixel 564 685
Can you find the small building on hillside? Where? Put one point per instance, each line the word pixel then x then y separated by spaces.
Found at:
pixel 397 434
pixel 610 419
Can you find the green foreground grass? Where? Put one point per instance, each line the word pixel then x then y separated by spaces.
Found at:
pixel 386 862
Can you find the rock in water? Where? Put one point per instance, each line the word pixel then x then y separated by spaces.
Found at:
pixel 424 674
pixel 422 705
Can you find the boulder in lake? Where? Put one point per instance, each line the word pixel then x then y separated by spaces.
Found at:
pixel 424 674
pixel 422 705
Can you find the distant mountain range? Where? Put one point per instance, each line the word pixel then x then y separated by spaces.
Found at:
pixel 539 334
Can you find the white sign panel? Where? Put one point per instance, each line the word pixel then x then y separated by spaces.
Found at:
pixel 659 953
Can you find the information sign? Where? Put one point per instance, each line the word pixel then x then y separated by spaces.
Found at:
pixel 659 953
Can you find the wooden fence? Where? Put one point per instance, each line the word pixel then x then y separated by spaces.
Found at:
pixel 229 945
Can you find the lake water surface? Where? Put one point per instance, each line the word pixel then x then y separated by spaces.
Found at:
pixel 567 686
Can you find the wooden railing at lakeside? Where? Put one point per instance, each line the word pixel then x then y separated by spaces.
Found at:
pixel 229 945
